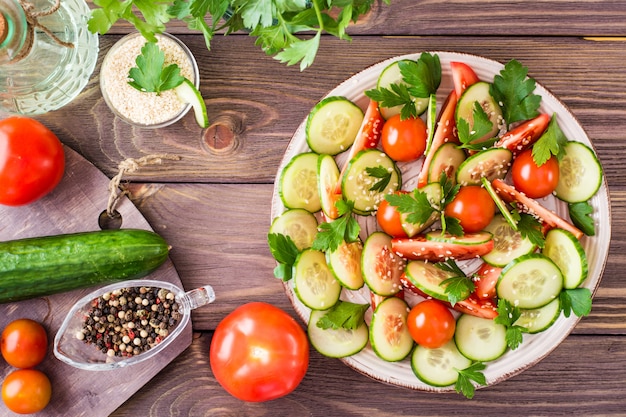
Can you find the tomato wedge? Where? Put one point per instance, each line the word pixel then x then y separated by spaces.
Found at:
pixel 463 76
pixel 444 132
pixel 420 248
pixel 485 280
pixel 532 207
pixel 367 138
pixel 524 135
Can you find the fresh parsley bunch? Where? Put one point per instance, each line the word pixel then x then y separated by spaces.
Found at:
pixel 278 25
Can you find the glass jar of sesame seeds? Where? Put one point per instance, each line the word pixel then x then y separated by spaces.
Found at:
pixel 138 108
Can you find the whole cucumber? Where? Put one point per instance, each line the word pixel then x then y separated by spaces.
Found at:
pixel 40 266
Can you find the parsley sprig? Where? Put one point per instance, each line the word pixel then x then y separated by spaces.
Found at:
pixel 285 252
pixel 580 213
pixel 459 286
pixel 278 25
pixel 151 74
pixel 507 316
pixel 343 315
pixel 420 79
pixel 577 301
pixel 343 229
pixel 382 175
pixel 481 126
pixel 419 208
pixel 550 143
pixel 473 373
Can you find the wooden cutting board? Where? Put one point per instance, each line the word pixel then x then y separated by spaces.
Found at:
pixel 74 206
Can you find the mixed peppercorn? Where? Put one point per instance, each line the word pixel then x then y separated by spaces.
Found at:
pixel 129 321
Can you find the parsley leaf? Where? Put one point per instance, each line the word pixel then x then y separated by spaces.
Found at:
pixel 464 383
pixel 382 174
pixel 481 126
pixel 577 300
pixel 458 287
pixel 515 91
pixel 343 315
pixel 285 252
pixel 580 213
pixel 529 227
pixel 550 143
pixel 507 316
pixel 148 17
pixel 420 79
pixel 150 74
pixel 343 229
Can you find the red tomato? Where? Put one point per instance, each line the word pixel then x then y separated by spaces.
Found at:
pixel 418 247
pixel 24 343
pixel 390 219
pixel 431 324
pixel 404 140
pixel 26 391
pixel 259 352
pixel 485 281
pixel 463 76
pixel 532 180
pixel 524 135
pixel 32 161
pixel 473 207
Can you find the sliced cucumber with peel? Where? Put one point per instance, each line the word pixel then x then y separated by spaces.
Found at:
pixel 480 339
pixel 508 243
pixel 448 158
pixel 427 278
pixel 298 224
pixel 314 283
pixel 298 183
pixel 438 366
pixel 345 264
pixel 332 125
pixel 188 93
pixel 336 343
pixel 490 163
pixel 389 332
pixel 381 267
pixel 580 173
pixel 479 92
pixel 568 254
pixel 539 319
pixel 328 178
pixel 530 281
pixel 392 75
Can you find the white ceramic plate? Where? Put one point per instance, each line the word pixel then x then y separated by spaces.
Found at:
pixel 534 347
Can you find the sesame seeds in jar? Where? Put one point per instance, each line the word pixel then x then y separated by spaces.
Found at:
pixel 139 108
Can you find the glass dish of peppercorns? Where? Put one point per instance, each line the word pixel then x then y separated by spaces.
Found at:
pixel 126 323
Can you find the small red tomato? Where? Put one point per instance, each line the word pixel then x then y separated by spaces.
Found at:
pixel 259 352
pixel 26 391
pixel 532 180
pixel 24 343
pixel 473 207
pixel 32 161
pixel 431 324
pixel 404 140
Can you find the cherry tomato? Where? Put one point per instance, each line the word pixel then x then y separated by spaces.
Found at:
pixel 532 180
pixel 24 343
pixel 390 219
pixel 473 207
pixel 259 352
pixel 404 140
pixel 26 391
pixel 431 324
pixel 32 161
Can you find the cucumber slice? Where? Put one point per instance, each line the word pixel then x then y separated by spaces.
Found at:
pixel 392 75
pixel 502 206
pixel 188 93
pixel 531 281
pixel 480 339
pixel 448 158
pixel 490 163
pixel 568 254
pixel 539 319
pixel 431 121
pixel 433 194
pixel 359 186
pixel 298 183
pixel 389 332
pixel 336 343
pixel 345 264
pixel 438 366
pixel 479 92
pixel 580 173
pixel 427 278
pixel 314 283
pixel 298 224
pixel 468 239
pixel 381 267
pixel 332 125
pixel 328 178
pixel 508 243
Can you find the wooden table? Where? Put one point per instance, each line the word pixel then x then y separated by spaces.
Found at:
pixel 213 205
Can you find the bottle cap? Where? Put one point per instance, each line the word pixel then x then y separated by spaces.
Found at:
pixel 4 30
